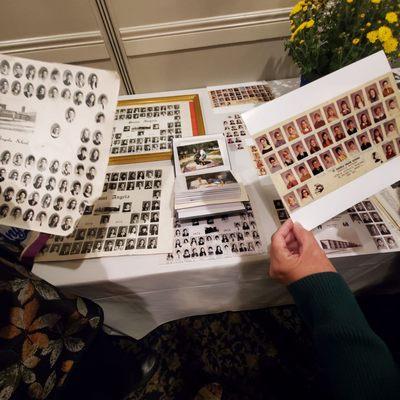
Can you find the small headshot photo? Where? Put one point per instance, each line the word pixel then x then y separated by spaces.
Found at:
pixel 391 129
pixel 30 72
pixel 66 94
pixel 50 184
pixel 350 126
pixel 391 243
pixel 66 168
pixel 355 218
pixel 327 159
pixel 378 113
pixel 53 93
pixel 358 100
pixel 291 132
pixel 82 153
pixel 66 223
pixel 43 73
pixel 312 144
pixel 54 220
pixel 317 119
pixel 100 118
pixel 33 199
pixel 372 93
pixel 364 141
pixel 90 99
pixel 15 213
pixel 344 106
pixel 286 157
pixel 291 201
pixel 299 151
pixel 277 138
pixel 304 195
pixel 78 98
pixel 315 166
pixel 380 244
pixel 67 78
pixel 54 166
pixel 392 106
pixel 91 173
pixel 26 179
pixel 97 138
pixel 28 215
pixel 302 172
pixel 325 138
pixel 304 125
pixel 42 164
pixel 366 218
pixel 38 181
pixel 263 144
pixel 289 180
pixel 5 67
pixel 55 75
pixel 41 92
pixel 70 114
pixel 63 186
pixel 386 87
pixel 13 175
pixel 364 119
pixel 28 90
pixel 4 86
pixel 55 131
pixel 93 81
pixel 5 157
pixel 17 159
pixel 103 100
pixel 389 150
pixel 21 196
pixel 331 113
pixel 85 135
pixel 338 132
pixel 373 230
pixel 339 153
pixel 8 194
pixel 80 79
pixel 377 134
pixel 16 88
pixel 94 155
pixel 351 146
pixel 273 164
pixel 88 190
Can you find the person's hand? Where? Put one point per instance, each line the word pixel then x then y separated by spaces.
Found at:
pixel 296 254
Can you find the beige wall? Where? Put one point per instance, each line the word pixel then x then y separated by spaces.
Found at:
pixel 170 44
pixel 144 12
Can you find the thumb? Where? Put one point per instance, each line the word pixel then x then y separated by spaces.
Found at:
pixel 302 235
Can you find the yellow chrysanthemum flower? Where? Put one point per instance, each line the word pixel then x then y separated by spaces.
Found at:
pixel 391 17
pixel 368 24
pixel 297 8
pixel 390 46
pixel 310 23
pixel 384 33
pixel 349 1
pixel 362 15
pixel 356 41
pixel 372 36
pixel 375 1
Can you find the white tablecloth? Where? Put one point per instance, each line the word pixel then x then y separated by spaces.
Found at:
pixel 138 293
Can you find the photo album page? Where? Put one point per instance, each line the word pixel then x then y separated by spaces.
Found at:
pixel 55 133
pixel 333 142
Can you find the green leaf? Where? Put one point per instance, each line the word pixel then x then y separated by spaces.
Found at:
pixel 44 321
pixel 46 291
pixel 94 322
pixel 81 306
pixel 6 393
pixel 74 344
pixel 49 385
pixel 28 376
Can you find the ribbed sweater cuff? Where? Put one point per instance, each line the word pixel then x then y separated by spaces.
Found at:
pixel 325 297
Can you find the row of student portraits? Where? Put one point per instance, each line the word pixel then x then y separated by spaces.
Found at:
pixel 341 126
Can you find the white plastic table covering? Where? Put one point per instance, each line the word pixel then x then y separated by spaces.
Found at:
pixel 138 293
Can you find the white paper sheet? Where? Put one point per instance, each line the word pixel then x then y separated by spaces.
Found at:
pixel 360 177
pixel 55 134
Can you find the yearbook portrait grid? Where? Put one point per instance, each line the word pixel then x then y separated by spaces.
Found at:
pixel 236 95
pixel 55 125
pixel 134 216
pixel 319 151
pixel 235 132
pixel 210 238
pixel 364 213
pixel 149 128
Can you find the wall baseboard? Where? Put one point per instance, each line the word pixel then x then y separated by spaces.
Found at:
pixel 206 32
pixel 72 47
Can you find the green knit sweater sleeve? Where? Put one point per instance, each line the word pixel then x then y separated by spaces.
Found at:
pixel 355 362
